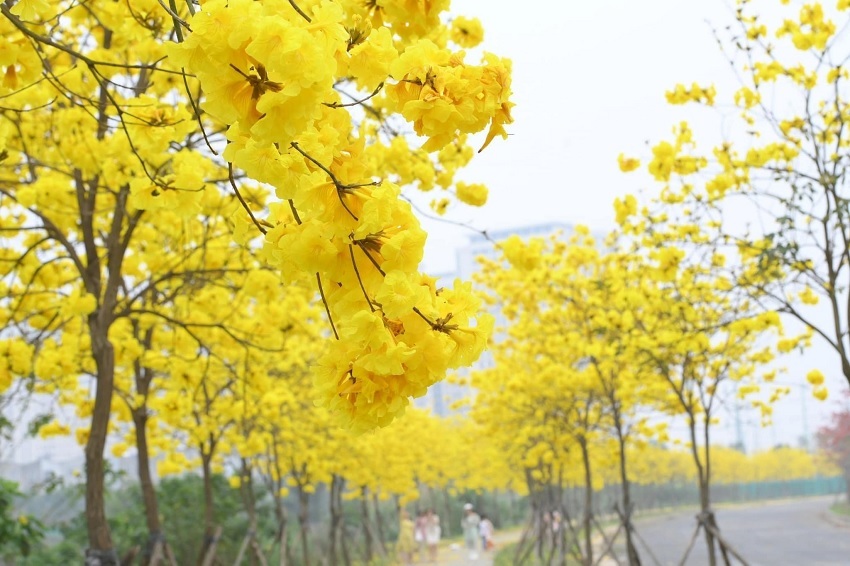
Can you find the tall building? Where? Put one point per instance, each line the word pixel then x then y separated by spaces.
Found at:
pixel 443 397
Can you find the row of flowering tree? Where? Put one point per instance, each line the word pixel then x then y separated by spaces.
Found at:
pixel 183 181
pixel 601 336
pixel 682 310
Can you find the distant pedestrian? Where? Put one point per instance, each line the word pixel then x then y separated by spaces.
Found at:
pixel 470 524
pixel 419 535
pixel 432 533
pixel 485 529
pixel 405 544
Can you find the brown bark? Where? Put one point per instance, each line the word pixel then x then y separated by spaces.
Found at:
pixel 156 540
pixel 149 499
pixel 379 524
pixel 588 502
pixel 631 549
pixel 208 544
pixel 304 522
pixel 100 551
pixel 704 488
pixel 367 531
pixel 335 542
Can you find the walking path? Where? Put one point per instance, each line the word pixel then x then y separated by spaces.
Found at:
pixel 454 554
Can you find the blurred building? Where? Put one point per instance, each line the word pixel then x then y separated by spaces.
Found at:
pixel 444 398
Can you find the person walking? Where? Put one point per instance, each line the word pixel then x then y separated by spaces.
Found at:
pixel 471 523
pixel 432 533
pixel 419 535
pixel 485 529
pixel 405 544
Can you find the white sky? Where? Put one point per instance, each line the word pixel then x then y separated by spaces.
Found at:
pixel 589 80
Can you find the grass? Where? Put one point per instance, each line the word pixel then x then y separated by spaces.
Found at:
pixel 841 508
pixel 505 556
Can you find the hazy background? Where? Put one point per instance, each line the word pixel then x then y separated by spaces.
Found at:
pixel 589 81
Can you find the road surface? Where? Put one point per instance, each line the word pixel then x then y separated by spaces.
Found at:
pixel 799 532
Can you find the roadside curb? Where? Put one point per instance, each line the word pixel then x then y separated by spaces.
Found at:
pixel 836 520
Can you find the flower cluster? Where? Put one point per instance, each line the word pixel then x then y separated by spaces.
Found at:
pixel 285 79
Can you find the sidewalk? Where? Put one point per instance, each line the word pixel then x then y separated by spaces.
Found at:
pixel 454 553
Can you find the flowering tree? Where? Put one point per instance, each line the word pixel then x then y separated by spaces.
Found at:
pixel 787 171
pixel 111 133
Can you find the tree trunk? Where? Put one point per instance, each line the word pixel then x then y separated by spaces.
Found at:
pixel 209 506
pixel 276 484
pixel 526 542
pixel 155 536
pixel 246 488
pixel 367 531
pixel 704 489
pixel 154 550
pixel 336 519
pixel 588 502
pixel 100 551
pixel 303 523
pixel 379 524
pixel 631 550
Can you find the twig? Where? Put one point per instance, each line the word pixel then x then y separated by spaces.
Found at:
pixel 242 200
pixel 197 111
pixel 178 21
pixel 373 260
pixel 300 11
pixel 294 211
pixel 340 186
pixel 359 280
pixel 356 102
pixel 447 221
pixel 325 301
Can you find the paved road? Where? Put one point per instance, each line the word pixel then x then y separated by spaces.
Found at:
pixel 798 532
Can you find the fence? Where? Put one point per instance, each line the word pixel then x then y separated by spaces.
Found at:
pixel 672 495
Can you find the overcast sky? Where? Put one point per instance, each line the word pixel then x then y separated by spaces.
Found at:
pixel 589 81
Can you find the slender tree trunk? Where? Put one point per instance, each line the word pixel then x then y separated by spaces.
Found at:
pixel 588 502
pixel 346 555
pixel 336 520
pixel 149 500
pixel 704 490
pixel 209 506
pixel 284 545
pixel 249 501
pixel 367 531
pixel 631 550
pixel 282 521
pixel 304 522
pixel 101 551
pixel 379 524
pixel 276 484
pixel 154 550
pixel 527 541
